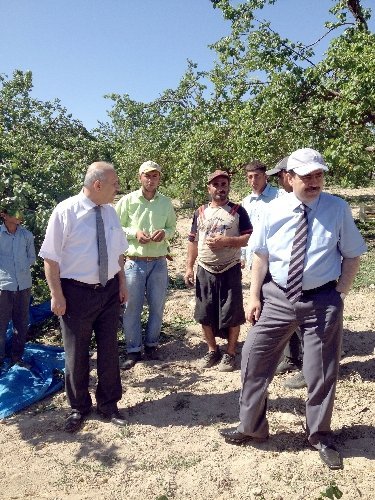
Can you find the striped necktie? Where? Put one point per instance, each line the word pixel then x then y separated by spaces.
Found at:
pixel 102 247
pixel 297 257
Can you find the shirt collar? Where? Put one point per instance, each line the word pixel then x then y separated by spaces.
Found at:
pixel 295 202
pixel 86 203
pixel 140 195
pixel 3 229
pixel 265 193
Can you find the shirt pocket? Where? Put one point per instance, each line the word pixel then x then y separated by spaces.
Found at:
pixel 322 242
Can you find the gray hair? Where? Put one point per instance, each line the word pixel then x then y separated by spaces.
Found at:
pixel 97 171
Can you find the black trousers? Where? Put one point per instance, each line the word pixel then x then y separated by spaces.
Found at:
pixel 91 310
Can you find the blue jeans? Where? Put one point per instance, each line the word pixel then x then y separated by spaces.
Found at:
pixel 150 278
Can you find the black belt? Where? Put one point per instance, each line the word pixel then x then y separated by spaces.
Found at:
pixel 326 286
pixel 93 286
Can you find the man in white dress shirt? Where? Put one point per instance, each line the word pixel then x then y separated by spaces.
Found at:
pixel 79 296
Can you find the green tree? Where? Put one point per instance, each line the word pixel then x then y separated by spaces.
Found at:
pixel 285 101
pixel 43 153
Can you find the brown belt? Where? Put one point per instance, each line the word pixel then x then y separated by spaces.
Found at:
pixel 136 257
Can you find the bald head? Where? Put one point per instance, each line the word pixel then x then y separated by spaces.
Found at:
pixel 97 171
pixel 101 183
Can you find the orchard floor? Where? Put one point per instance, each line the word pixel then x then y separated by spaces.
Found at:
pixel 171 448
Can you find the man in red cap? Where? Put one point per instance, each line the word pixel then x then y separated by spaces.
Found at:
pixel 218 232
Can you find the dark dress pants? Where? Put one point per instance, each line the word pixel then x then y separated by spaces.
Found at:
pixel 319 316
pixel 89 310
pixel 14 306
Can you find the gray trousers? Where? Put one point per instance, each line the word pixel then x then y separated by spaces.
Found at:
pixel 14 306
pixel 319 317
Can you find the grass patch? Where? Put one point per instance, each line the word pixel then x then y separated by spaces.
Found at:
pixel 366 274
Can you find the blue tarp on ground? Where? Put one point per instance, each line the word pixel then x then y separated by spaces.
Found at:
pixel 20 387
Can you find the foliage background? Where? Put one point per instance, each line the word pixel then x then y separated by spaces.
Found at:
pixel 263 98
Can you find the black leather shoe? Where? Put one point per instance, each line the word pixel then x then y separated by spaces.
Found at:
pixel 331 457
pixel 115 418
pixel 74 421
pixel 232 435
pixel 131 359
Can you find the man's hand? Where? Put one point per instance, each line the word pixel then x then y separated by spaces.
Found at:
pixel 143 237
pixel 216 241
pixel 123 292
pixel 189 278
pixel 58 305
pixel 253 311
pixel 158 235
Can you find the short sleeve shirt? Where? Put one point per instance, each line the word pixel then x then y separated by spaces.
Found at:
pixel 331 236
pixel 228 220
pixel 70 239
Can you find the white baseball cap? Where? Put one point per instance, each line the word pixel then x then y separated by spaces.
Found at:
pixel 149 166
pixel 304 161
pixel 281 165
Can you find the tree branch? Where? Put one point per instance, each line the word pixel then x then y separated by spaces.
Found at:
pixel 327 33
pixel 355 8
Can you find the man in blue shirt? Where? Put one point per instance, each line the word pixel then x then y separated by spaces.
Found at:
pixel 292 356
pixel 17 254
pixel 254 203
pixel 330 261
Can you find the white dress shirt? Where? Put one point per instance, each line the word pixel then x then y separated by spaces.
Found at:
pixel 70 239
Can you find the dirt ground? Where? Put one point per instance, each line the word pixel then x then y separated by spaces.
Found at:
pixel 171 448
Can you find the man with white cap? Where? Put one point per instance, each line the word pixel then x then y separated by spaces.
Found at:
pixel 149 220
pixel 306 256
